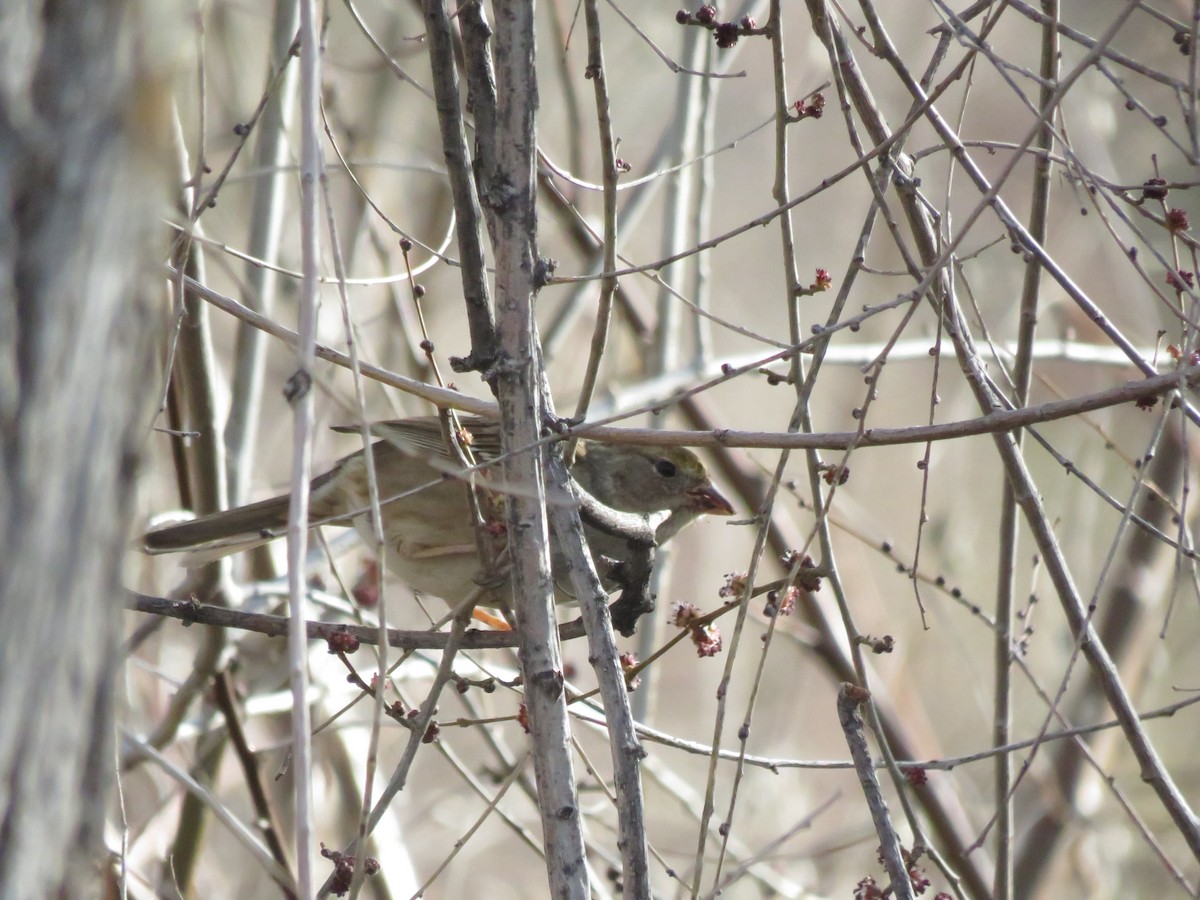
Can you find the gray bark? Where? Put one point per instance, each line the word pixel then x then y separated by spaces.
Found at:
pixel 83 106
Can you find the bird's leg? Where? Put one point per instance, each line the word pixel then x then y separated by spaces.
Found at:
pixel 488 580
pixel 480 615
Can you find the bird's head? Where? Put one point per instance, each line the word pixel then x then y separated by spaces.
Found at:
pixel 648 479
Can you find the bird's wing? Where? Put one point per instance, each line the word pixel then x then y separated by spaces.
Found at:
pixel 423 436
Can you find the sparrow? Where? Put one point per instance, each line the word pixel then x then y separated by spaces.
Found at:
pixel 430 535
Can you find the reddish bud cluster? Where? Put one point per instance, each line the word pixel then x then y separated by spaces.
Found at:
pixel 523 717
pixel 1181 280
pixel 1154 189
pixel 707 639
pixel 343 869
pixel 834 474
pixel 1192 357
pixel 1177 220
pixel 734 587
pixel 629 662
pixel 810 108
pixel 781 604
pixel 823 282
pixel 1146 403
pixel 342 642
pixel 726 34
pixel 684 614
pixel 811 582
pixel 916 875
pixel 867 889
pixel 885 644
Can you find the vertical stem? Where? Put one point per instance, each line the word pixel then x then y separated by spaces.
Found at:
pixel 266 221
pixel 1002 886
pixel 462 185
pixel 608 170
pixel 300 397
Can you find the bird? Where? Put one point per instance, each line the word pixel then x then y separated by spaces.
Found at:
pixel 430 539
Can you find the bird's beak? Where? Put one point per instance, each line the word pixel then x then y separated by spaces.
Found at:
pixel 707 499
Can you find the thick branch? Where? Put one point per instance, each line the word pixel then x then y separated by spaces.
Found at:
pixel 517 381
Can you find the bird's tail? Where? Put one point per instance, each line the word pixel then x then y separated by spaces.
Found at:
pixel 234 529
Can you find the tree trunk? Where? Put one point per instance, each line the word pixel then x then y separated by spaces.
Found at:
pixel 83 118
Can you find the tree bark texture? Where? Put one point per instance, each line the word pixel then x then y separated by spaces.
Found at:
pixel 83 119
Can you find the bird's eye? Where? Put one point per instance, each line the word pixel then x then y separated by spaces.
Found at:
pixel 665 467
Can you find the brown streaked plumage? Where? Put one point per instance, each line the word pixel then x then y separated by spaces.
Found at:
pixel 427 521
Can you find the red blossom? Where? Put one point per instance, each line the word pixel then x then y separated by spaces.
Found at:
pixel 343 869
pixel 1177 220
pixel 916 776
pixel 735 585
pixel 684 614
pixel 707 639
pixel 1181 280
pixel 1154 189
pixel 342 642
pixel 1146 403
pixel 781 604
pixel 1193 356
pixel 835 474
pixel 726 35
pixel 629 662
pixel 787 602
